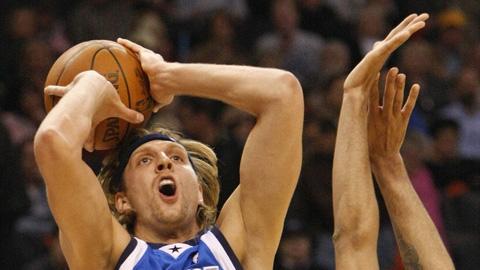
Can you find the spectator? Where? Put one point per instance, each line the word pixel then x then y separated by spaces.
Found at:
pixel 221 45
pixel 466 111
pixel 15 200
pixel 288 46
pixel 115 17
pixel 35 227
pixel 296 250
pixel 150 31
pixel 425 70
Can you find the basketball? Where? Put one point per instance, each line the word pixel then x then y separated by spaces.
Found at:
pixel 118 65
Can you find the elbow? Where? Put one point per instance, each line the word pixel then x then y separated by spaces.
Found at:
pixel 291 86
pixel 347 238
pixel 357 230
pixel 290 92
pixel 48 143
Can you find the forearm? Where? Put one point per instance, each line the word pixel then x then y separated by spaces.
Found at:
pixel 418 240
pixel 75 196
pixel 251 89
pixel 354 202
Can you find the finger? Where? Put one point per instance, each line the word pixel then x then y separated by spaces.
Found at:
pixel 388 46
pixel 376 58
pixel 389 93
pixel 147 60
pixel 130 45
pixel 157 107
pixel 89 144
pixel 374 95
pixel 422 17
pixel 401 25
pixel 419 19
pixel 414 27
pixel 411 100
pixel 55 90
pixel 400 86
pixel 130 115
pixel 370 84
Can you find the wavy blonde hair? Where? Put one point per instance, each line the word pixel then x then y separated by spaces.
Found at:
pixel 205 165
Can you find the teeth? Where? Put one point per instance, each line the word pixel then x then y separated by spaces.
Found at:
pixel 167 187
pixel 166 182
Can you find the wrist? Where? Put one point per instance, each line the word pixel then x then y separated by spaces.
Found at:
pixel 391 175
pixel 386 167
pixel 90 88
pixel 355 101
pixel 382 161
pixel 357 95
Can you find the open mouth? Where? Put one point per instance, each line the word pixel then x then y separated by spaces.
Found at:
pixel 167 187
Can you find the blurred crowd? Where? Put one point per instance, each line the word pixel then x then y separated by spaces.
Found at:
pixel 317 40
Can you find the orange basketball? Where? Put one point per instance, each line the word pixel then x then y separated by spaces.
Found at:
pixel 118 65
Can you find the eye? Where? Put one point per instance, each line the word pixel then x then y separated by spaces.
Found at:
pixel 144 161
pixel 177 158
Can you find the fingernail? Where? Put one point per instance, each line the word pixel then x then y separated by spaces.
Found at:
pixel 139 117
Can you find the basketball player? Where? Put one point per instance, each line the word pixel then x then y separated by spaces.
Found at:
pixel 164 188
pixel 369 137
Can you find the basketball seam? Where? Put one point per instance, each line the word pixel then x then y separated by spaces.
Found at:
pixel 65 67
pixel 91 67
pixel 68 63
pixel 126 85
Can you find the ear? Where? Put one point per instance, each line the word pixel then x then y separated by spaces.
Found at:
pixel 200 194
pixel 122 203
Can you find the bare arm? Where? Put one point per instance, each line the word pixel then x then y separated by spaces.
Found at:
pixel 418 240
pixel 252 219
pixel 74 194
pixel 354 202
pixel 419 243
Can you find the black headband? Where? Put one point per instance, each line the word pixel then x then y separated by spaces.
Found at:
pixel 124 155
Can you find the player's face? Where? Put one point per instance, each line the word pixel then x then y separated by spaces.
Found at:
pixel 161 185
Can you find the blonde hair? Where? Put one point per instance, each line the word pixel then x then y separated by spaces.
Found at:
pixel 205 165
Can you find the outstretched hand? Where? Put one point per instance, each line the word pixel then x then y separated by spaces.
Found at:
pixel 387 123
pixel 108 102
pixel 153 64
pixel 366 71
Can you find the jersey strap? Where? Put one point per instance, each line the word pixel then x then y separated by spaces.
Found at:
pixel 220 248
pixel 207 251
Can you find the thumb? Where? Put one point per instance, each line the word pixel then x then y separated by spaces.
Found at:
pixel 89 144
pixel 131 116
pixel 55 90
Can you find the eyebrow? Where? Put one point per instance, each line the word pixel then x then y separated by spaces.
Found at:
pixel 149 148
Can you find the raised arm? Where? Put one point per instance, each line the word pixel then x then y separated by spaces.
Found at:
pixel 418 240
pixel 354 202
pixel 74 195
pixel 252 219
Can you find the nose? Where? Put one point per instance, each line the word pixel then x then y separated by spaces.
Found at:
pixel 164 164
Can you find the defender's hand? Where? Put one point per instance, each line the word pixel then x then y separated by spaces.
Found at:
pixel 366 71
pixel 387 123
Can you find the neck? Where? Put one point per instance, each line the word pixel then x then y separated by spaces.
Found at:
pixel 166 234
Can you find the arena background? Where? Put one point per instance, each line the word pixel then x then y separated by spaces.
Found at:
pixel 319 41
